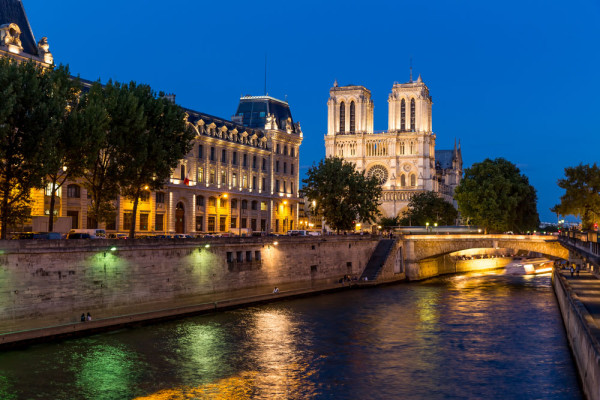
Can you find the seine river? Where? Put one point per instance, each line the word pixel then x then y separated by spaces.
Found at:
pixel 474 336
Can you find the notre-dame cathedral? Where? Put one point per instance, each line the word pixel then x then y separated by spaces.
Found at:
pixel 404 157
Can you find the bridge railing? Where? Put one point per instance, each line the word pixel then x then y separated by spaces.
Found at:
pixel 586 241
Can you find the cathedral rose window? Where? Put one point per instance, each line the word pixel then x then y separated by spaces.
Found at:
pixel 380 172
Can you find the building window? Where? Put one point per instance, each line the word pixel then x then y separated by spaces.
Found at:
pixel 212 201
pixel 254 205
pixel 402 148
pixel 402 115
pixel 292 187
pixel 253 224
pixel 223 178
pixel 293 151
pixel 244 223
pixel 127 220
pixel 200 151
pixel 199 201
pixel 263 225
pixel 292 169
pixel 74 219
pixel 111 225
pixel 222 224
pixel 229 256
pixel 159 222
pixel 244 181
pixel 402 180
pixel 91 223
pixel 239 256
pixel 264 164
pixel 253 182
pixel 244 204
pixel 352 117
pixel 144 222
pixel 200 174
pixel 278 149
pixel 263 206
pixel 211 178
pixel 223 156
pixel 234 203
pixel 234 222
pixel 234 179
pixel 182 173
pixel 285 150
pixel 199 223
pixel 276 225
pixel 257 255
pixel 211 223
pixel 277 185
pixel 160 197
pixel 342 117
pixel 73 191
pixel 212 154
pixel 285 168
pixel 245 160
pixel 223 203
pixel 248 255
pixel 234 158
pixel 412 115
pixel 413 180
pixel 145 196
pixel 277 166
pixel 264 184
pixel 254 162
pixel 284 189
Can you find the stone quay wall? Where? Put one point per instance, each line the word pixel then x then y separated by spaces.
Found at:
pixel 581 332
pixel 49 283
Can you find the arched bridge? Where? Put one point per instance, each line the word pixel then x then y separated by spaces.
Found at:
pixel 420 251
pixel 419 247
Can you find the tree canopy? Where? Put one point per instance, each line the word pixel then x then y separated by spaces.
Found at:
pixel 341 193
pixel 429 207
pixel 582 194
pixel 494 194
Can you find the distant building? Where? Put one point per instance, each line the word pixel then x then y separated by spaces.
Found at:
pixel 403 158
pixel 240 176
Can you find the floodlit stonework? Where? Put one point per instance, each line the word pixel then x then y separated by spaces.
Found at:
pixel 403 158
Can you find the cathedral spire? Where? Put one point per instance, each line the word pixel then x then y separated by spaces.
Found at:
pixel 410 81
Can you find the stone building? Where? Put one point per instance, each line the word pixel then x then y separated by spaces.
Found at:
pixel 240 176
pixel 403 158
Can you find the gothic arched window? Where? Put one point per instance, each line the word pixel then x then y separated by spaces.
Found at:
pixel 342 117
pixel 402 180
pixel 413 180
pixel 412 115
pixel 352 117
pixel 403 116
pixel 402 149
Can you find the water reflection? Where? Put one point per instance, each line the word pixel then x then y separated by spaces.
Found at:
pixel 479 335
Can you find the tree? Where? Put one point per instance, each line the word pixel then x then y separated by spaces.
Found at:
pixel 582 194
pixel 100 151
pixel 342 194
pixel 27 103
pixel 151 147
pixel 388 223
pixel 429 207
pixel 65 137
pixel 494 194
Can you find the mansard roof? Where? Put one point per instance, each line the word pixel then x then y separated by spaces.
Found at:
pixel 225 127
pixel 12 11
pixel 253 111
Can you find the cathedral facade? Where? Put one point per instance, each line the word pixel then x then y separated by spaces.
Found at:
pixel 403 158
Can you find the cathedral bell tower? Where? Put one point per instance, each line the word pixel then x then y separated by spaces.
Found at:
pixel 350 110
pixel 410 107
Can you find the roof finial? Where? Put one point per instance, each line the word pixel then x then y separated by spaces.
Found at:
pixel 410 81
pixel 335 84
pixel 419 80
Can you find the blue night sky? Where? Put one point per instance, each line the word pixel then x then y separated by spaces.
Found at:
pixel 512 79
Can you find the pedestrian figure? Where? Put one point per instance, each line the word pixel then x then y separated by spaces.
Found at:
pixel 82 317
pixel 571 270
pixel 89 317
pixel 577 270
pixel 276 290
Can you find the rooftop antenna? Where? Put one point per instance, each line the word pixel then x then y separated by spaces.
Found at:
pixel 410 70
pixel 265 74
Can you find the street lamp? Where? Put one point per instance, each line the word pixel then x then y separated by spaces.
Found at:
pixel 435 227
pixel 427 226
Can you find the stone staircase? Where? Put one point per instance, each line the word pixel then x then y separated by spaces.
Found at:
pixel 378 259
